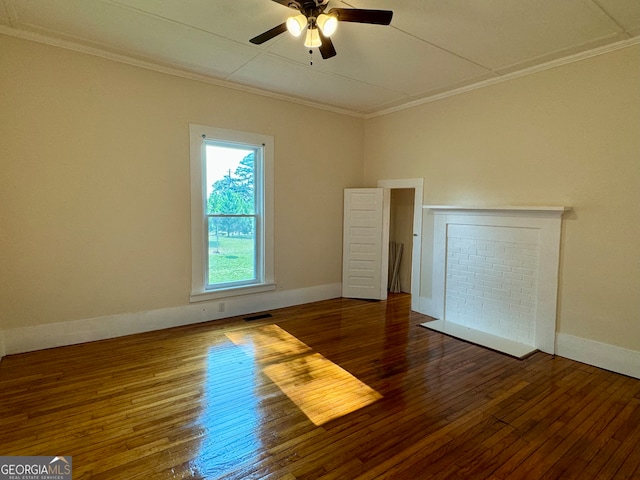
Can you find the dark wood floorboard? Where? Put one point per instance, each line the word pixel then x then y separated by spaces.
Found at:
pixel 340 389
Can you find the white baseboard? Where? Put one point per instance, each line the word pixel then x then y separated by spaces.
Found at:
pixel 602 355
pixel 38 337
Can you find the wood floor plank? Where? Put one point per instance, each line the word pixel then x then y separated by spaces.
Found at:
pixel 197 402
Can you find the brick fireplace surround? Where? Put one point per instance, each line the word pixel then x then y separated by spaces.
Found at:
pixel 495 275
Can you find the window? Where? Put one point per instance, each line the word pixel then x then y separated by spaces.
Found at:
pixel 231 212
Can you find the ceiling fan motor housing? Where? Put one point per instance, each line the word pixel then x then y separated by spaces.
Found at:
pixel 313 11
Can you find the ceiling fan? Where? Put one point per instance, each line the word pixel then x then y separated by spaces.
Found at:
pixel 319 25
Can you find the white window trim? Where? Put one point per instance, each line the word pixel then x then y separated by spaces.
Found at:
pixel 198 189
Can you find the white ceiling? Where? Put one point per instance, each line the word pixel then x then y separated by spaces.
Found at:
pixel 431 46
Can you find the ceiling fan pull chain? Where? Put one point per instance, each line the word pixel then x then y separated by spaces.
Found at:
pixel 310 57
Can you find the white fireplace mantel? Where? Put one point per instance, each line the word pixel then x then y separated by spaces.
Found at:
pixel 498 210
pixel 539 228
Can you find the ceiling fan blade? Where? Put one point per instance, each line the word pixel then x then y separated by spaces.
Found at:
pixel 358 15
pixel 327 49
pixel 269 34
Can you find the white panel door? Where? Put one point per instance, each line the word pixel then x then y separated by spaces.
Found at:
pixel 365 251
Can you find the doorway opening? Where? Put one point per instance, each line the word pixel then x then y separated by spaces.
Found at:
pixel 406 228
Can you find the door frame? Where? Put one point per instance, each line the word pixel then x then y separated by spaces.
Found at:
pixel 416 253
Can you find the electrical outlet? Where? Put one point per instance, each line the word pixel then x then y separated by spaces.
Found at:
pixel 221 307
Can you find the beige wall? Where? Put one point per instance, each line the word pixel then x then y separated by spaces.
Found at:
pixel 566 136
pixel 94 183
pixel 94 179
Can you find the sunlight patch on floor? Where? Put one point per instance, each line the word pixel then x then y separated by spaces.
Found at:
pixel 320 388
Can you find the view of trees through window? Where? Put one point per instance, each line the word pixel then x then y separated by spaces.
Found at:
pixel 231 213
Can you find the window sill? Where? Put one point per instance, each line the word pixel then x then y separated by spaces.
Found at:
pixel 231 292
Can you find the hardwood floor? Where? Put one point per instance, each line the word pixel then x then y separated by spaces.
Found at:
pixel 341 389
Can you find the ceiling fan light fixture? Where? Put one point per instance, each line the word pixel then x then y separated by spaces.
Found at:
pixel 313 38
pixel 327 23
pixel 296 24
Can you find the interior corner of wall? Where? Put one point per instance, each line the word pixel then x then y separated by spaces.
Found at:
pixel 2 348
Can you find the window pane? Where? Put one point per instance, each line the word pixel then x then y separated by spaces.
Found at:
pixel 230 173
pixel 232 249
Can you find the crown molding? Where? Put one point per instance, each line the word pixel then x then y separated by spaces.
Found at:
pixel 511 76
pixel 166 69
pixel 190 75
